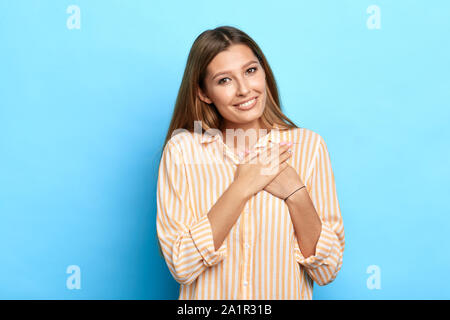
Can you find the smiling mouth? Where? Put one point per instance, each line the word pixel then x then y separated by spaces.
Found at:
pixel 247 105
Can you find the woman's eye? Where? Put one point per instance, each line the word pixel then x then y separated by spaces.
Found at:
pixel 222 80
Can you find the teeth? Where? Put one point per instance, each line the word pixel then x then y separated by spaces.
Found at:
pixel 247 103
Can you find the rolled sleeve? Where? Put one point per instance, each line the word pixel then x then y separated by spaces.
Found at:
pixel 202 237
pixel 326 245
pixel 324 265
pixel 186 242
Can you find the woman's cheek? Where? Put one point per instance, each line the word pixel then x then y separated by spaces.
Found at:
pixel 224 95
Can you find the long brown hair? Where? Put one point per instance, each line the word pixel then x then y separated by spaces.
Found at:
pixel 188 106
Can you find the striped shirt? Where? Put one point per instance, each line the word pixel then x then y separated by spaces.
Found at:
pixel 260 258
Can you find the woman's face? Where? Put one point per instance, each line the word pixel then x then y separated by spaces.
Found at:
pixel 234 77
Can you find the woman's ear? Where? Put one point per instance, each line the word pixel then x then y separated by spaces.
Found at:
pixel 203 97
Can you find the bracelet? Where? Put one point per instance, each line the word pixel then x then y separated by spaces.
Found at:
pixel 294 192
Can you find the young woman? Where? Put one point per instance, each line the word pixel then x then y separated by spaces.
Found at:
pixel 246 200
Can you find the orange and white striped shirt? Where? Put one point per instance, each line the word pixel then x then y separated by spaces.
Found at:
pixel 260 258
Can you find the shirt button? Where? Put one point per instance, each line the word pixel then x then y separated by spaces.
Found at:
pixel 247 210
pixel 247 246
pixel 245 283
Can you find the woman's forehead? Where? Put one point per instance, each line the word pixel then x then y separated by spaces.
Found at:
pixel 234 58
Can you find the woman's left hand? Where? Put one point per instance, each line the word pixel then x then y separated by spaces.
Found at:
pixel 284 183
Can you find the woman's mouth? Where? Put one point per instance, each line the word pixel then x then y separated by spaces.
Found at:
pixel 247 105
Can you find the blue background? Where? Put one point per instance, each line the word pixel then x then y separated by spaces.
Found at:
pixel 83 113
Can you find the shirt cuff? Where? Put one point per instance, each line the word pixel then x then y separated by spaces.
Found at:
pixel 323 249
pixel 202 236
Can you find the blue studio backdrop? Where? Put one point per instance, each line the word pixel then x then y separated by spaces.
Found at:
pixel 87 89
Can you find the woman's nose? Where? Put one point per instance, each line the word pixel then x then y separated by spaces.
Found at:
pixel 243 88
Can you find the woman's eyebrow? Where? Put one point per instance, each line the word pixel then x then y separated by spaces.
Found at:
pixel 223 72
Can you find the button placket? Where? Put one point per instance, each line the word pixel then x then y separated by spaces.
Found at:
pixel 246 246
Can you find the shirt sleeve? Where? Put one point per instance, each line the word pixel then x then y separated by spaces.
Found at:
pixel 186 242
pixel 327 261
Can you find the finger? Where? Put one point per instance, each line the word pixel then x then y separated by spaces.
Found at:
pixel 263 155
pixel 283 166
pixel 288 154
pixel 276 150
pixel 275 164
pixel 284 147
pixel 252 154
pixel 285 155
pixel 285 152
pixel 277 168
pixel 272 152
pixel 276 146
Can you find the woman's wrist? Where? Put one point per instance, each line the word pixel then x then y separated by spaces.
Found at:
pixel 242 191
pixel 296 195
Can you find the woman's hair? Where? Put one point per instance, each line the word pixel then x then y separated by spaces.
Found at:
pixel 188 106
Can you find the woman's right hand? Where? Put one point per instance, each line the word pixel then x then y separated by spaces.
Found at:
pixel 260 167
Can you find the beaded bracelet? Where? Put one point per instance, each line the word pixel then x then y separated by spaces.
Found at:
pixel 293 192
